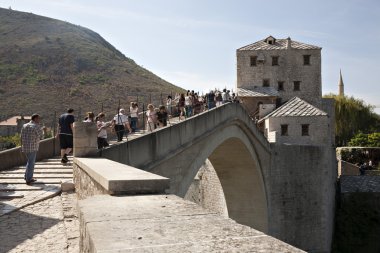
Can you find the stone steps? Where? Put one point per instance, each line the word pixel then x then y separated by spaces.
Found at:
pixel 16 194
pixel 38 171
pixel 48 175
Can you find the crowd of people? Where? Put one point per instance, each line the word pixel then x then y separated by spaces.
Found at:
pixel 181 106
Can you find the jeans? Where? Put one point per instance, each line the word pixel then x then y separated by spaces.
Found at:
pixel 134 123
pixel 30 165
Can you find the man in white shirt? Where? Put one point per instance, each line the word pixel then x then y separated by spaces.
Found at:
pixel 120 122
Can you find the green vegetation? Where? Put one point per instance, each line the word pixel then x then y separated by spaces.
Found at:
pixel 365 140
pixel 353 116
pixel 10 141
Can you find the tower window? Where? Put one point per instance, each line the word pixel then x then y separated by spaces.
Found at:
pixel 284 130
pixel 274 60
pixel 266 83
pixel 253 60
pixel 297 85
pixel 305 129
pixel 280 85
pixel 306 59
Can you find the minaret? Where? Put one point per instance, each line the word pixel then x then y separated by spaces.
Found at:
pixel 341 84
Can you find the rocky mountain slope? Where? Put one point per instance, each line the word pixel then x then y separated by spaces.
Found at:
pixel 47 65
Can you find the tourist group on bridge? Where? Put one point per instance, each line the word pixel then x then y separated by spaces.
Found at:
pixel 182 106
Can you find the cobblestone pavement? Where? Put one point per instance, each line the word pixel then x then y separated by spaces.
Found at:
pixel 47 226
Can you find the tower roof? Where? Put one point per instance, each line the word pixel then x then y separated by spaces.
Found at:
pixel 257 91
pixel 271 43
pixel 295 107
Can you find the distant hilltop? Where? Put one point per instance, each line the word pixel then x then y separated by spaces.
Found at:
pixel 47 65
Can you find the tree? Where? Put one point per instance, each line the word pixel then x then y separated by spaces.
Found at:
pixel 353 116
pixel 365 140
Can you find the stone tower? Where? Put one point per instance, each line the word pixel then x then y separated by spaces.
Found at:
pixel 289 67
pixel 341 84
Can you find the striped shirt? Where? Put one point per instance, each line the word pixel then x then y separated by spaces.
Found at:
pixel 31 133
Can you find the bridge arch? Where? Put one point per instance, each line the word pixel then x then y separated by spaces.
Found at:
pixel 228 138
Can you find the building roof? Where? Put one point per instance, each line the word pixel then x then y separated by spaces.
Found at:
pixel 257 91
pixel 296 107
pixel 13 120
pixel 278 44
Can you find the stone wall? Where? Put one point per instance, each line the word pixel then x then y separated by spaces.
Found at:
pixel 357 226
pixel 318 129
pixel 290 69
pixel 85 186
pixel 207 191
pixel 302 183
pixel 14 157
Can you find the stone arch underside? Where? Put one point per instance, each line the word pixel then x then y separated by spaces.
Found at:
pixel 232 153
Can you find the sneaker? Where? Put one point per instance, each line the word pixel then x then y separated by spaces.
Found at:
pixel 64 159
pixel 31 181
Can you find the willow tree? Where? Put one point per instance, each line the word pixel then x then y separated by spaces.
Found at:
pixel 353 116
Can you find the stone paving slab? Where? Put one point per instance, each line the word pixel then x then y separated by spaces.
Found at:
pixel 50 226
pixel 166 223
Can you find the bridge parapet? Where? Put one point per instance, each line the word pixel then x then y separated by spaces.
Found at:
pixel 94 176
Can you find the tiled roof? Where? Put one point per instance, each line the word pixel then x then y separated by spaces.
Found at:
pixel 257 91
pixel 278 45
pixel 296 107
pixel 13 121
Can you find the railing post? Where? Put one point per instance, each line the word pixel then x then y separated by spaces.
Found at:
pixel 85 139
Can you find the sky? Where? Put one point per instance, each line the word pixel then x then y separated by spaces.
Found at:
pixel 192 43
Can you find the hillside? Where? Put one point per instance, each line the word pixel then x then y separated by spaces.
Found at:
pixel 47 65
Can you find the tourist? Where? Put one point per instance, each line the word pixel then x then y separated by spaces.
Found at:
pixel 162 116
pixel 134 110
pixel 218 98
pixel 169 104
pixel 120 123
pixel 181 105
pixel 362 169
pixel 90 117
pixel 65 133
pixel 151 118
pixel 31 134
pixel 224 96
pixel 188 104
pixel 210 100
pixel 102 130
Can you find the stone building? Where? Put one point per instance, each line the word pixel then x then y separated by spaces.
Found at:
pixel 290 67
pixel 297 122
pixel 279 83
pixel 13 125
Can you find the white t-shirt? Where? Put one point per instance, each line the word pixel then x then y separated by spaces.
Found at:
pixel 103 132
pixel 134 112
pixel 188 100
pixel 120 119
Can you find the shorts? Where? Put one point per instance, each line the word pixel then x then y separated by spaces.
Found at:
pixel 65 141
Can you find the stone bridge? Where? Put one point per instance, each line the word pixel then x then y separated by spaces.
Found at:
pixel 286 191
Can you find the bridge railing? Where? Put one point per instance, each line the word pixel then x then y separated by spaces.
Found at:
pixel 14 157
